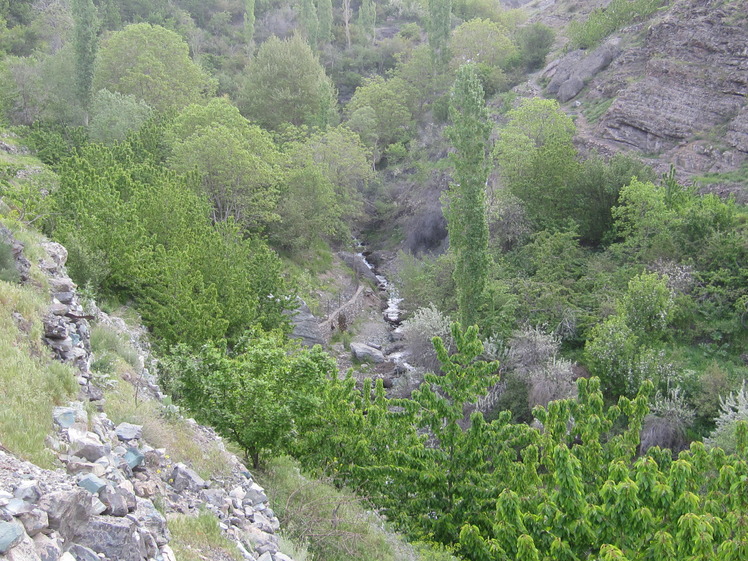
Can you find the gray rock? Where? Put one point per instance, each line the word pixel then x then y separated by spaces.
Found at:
pixel 47 548
pixel 28 491
pixel 23 551
pixel 34 521
pixel 97 507
pixel 116 538
pixel 306 326
pixel 82 553
pixel 361 351
pixel 127 431
pixel 214 497
pixel 359 266
pixel 134 458
pixel 86 445
pixel 152 520
pixel 92 484
pixel 67 511
pixel 256 494
pixel 116 504
pixel 570 89
pixel 15 507
pixel 282 557
pixel 127 490
pixel 186 479
pixel 265 557
pixel 64 416
pixel 11 534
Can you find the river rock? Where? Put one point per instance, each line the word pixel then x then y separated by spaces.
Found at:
pixel 364 352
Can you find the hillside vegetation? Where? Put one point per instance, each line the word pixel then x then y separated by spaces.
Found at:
pixel 202 162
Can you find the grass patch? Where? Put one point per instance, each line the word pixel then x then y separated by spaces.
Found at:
pixel 739 175
pixel 163 428
pixel 31 383
pixel 597 109
pixel 334 524
pixel 604 21
pixel 195 538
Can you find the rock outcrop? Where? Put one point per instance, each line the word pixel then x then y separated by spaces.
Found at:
pixel 102 505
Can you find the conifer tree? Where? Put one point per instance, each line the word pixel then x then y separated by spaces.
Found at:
pixel 86 28
pixel 465 200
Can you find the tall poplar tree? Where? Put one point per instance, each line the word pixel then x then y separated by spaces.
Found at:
pixel 86 41
pixel 367 18
pixel 465 199
pixel 324 17
pixel 439 26
pixel 310 22
pixel 249 21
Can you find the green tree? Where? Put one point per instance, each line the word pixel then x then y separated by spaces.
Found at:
pixel 391 102
pixel 310 22
pixel 325 17
pixel 287 84
pixel 114 115
pixel 439 28
pixel 86 42
pixel 486 44
pixel 367 19
pixel 534 41
pixel 249 21
pixel 152 64
pixel 255 393
pixel 465 200
pixel 537 160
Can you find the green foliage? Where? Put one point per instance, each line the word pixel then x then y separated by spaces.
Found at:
pixel 481 41
pixel 255 393
pixel 152 64
pixel 113 116
pixel 439 28
pixel 390 101
pixel 287 84
pixel 537 160
pixel 534 42
pixel 325 17
pixel 466 208
pixel 194 537
pixel 86 43
pixel 32 383
pixel 367 19
pixel 309 22
pixel 603 21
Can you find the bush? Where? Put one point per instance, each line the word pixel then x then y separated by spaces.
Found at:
pixel 425 324
pixel 734 410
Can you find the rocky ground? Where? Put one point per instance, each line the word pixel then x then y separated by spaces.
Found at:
pixel 111 497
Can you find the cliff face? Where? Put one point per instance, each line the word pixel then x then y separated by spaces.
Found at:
pixel 677 89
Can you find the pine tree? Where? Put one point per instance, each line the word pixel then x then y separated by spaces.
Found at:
pixel 465 208
pixel 86 28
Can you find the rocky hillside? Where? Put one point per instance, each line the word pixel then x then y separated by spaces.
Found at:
pixel 113 490
pixel 673 88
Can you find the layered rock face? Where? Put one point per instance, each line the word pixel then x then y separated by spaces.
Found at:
pixel 694 79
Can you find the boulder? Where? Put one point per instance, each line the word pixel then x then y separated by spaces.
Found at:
pixel 82 553
pixel 116 504
pixel 67 511
pixel 116 538
pixel 34 521
pixel 28 491
pixel 256 494
pixel 86 445
pixel 364 352
pixel 23 551
pixel 152 520
pixel 92 483
pixel 305 326
pixel 185 478
pixel 47 549
pixel 128 431
pixel 11 534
